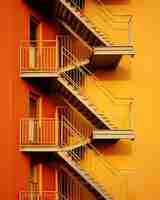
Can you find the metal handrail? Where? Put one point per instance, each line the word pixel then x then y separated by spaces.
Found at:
pixel 81 156
pixel 39 56
pixel 73 128
pixel 76 190
pixel 108 93
pixel 108 165
pixel 112 15
pixel 23 41
pixel 109 18
pixel 72 116
pixel 104 92
pixel 35 131
pixel 101 157
pixel 75 4
pixel 115 23
pixel 96 162
pixel 106 11
pixel 67 124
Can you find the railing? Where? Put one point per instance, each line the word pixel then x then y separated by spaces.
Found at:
pixel 79 4
pixel 117 28
pixel 69 134
pixel 33 185
pixel 98 169
pixel 118 110
pixel 71 188
pixel 41 195
pixel 38 131
pixel 50 132
pixel 38 56
pixel 74 46
pixel 45 56
pixel 76 121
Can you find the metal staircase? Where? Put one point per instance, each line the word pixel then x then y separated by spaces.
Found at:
pixel 95 170
pixel 110 113
pixel 96 24
pixel 70 18
pixel 41 195
pixel 72 186
pixel 82 89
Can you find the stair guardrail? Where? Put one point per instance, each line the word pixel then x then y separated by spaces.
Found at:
pixel 41 195
pixel 74 189
pixel 50 132
pixel 76 120
pixel 108 23
pixel 118 110
pixel 44 56
pixel 117 28
pixel 38 56
pixel 94 165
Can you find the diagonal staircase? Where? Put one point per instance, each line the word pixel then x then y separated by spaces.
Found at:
pixel 95 24
pixel 77 188
pixel 68 16
pixel 117 28
pixel 81 85
pixel 95 170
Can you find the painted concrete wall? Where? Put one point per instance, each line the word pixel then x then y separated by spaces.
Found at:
pixel 7 139
pixel 138 78
pixel 14 104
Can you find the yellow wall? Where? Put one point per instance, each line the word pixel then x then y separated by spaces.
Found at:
pixel 141 81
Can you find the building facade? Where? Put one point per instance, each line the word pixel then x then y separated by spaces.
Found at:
pixel 71 77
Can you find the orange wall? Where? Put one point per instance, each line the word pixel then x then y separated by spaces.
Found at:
pixel 14 102
pixel 5 109
pixel 142 83
pixel 139 79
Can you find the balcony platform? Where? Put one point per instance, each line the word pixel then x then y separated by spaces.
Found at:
pixel 50 148
pixel 100 134
pixel 37 74
pixel 111 55
pixel 114 50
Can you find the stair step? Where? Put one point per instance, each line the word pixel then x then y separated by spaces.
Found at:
pixel 95 121
pixel 94 181
pixel 91 105
pixel 83 97
pixel 94 107
pixel 100 33
pixel 69 3
pixel 92 25
pixel 66 156
pixel 102 114
pixel 84 18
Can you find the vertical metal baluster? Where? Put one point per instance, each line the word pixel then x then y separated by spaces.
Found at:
pixel 130 31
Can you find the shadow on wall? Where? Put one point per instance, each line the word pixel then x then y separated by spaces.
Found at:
pixel 121 148
pixel 122 72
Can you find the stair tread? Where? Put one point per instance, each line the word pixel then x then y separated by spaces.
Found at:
pixel 106 119
pixel 97 184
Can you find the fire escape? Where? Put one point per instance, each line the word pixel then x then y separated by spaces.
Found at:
pixel 67 69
